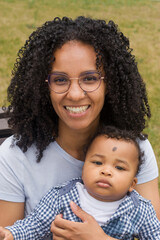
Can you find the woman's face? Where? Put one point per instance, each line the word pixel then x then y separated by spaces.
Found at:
pixel 76 110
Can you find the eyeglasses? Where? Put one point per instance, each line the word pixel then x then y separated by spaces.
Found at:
pixel 88 81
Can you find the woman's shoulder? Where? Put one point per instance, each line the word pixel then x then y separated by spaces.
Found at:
pixel 9 146
pixel 145 145
pixel 11 153
pixel 21 175
pixel 146 148
pixel 149 168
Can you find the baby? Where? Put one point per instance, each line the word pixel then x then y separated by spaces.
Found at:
pixel 106 191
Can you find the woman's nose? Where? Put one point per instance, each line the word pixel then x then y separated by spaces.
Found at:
pixel 75 92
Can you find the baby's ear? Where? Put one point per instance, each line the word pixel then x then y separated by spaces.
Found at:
pixel 133 184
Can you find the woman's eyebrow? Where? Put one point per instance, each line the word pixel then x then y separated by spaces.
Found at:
pixel 57 72
pixel 81 73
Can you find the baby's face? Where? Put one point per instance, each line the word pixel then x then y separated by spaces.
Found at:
pixel 110 168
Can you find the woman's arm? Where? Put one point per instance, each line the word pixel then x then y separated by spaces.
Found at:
pixel 149 190
pixel 10 212
pixel 148 177
pixel 63 229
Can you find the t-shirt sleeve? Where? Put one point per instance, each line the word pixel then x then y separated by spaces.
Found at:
pixel 149 168
pixel 11 172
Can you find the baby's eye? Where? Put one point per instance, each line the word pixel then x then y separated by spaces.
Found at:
pixel 97 162
pixel 120 168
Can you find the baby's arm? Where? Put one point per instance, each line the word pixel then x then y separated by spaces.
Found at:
pixel 5 234
pixel 37 224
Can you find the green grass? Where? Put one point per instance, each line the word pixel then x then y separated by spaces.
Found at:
pixel 138 19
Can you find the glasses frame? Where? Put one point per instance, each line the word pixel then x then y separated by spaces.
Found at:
pixel 76 78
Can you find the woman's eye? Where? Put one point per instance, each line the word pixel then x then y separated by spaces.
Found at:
pixel 90 79
pixel 60 80
pixel 97 163
pixel 120 168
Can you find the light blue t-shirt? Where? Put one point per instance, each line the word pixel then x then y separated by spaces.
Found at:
pixel 22 179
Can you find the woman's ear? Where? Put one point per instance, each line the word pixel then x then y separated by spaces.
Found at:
pixel 133 184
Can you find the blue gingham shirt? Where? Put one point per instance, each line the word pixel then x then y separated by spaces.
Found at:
pixel 135 216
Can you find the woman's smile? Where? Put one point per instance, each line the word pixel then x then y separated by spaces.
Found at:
pixel 77 109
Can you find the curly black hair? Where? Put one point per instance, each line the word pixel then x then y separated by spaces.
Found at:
pixel 119 134
pixel 33 119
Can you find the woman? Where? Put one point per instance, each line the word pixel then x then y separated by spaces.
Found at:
pixel 70 77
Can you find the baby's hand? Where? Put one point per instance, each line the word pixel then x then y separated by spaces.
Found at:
pixel 5 234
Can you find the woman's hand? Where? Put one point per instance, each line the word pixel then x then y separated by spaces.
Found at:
pixel 5 234
pixel 67 230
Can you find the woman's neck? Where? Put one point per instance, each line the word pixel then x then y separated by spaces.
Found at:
pixel 73 141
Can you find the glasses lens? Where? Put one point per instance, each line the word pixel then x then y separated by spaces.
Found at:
pixel 58 83
pixel 90 81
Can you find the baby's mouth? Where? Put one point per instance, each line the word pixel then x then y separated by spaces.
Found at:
pixel 103 184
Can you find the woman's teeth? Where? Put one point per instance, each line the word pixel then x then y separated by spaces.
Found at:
pixel 77 109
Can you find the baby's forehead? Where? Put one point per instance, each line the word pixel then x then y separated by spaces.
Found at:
pixel 113 149
pixel 114 143
pixel 105 137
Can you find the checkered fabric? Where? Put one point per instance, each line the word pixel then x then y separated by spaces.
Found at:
pixel 135 216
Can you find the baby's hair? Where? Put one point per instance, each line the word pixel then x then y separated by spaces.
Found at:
pixel 119 134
